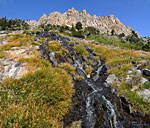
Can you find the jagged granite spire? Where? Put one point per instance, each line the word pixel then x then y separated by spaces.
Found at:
pixel 104 24
pixel 44 17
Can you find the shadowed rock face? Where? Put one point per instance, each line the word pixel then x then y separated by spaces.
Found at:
pixel 104 24
pixel 93 102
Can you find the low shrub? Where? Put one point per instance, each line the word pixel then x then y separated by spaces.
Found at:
pixel 77 34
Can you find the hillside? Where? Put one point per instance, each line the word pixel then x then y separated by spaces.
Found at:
pixel 55 75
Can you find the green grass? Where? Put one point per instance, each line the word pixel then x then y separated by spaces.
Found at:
pixel 57 48
pixel 33 63
pixel 117 42
pixel 70 69
pixel 137 103
pixel 146 85
pixel 16 40
pixel 38 99
pixel 81 50
pixel 79 77
pixel 89 70
pixel 120 61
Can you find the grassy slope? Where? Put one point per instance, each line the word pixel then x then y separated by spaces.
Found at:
pixel 120 61
pixel 42 97
pixel 38 99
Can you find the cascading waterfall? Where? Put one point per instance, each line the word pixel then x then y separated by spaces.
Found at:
pixel 94 103
pixel 91 115
pixel 112 116
pixel 95 78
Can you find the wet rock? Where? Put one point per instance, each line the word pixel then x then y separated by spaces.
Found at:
pixel 146 72
pixel 17 64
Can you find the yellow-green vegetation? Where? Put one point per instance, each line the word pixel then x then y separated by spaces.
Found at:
pixel 33 63
pixel 71 43
pixel 32 31
pixel 89 61
pixel 2 54
pixel 76 124
pixel 57 48
pixel 81 50
pixel 121 62
pixel 89 70
pixel 38 99
pixel 16 40
pixel 137 44
pixel 79 77
pixel 70 69
pixel 146 85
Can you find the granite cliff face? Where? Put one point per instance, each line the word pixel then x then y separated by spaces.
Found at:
pixel 105 24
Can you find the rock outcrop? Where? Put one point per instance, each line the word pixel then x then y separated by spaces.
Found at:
pixel 104 24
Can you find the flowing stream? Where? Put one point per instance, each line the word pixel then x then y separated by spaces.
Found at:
pixel 94 104
pixel 91 113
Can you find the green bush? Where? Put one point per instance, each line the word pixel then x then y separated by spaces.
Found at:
pixel 77 34
pixel 91 31
pixel 78 26
pixel 38 99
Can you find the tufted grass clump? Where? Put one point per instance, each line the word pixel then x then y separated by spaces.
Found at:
pixel 80 49
pixel 38 99
pixel 17 40
pixel 33 63
pixel 70 69
pixel 79 77
pixel 71 43
pixel 57 48
pixel 89 70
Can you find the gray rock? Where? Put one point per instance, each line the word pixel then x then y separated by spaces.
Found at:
pixel 1 75
pixel 3 42
pixel 13 71
pixel 142 61
pixel 111 78
pixel 139 72
pixel 143 80
pixel 130 72
pixel 145 94
pixel 17 64
pixel 6 69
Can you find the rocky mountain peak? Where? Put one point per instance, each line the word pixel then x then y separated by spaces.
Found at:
pixel 104 24
pixel 43 17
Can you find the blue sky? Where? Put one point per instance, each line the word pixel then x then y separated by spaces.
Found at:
pixel 134 13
